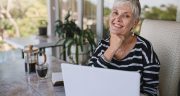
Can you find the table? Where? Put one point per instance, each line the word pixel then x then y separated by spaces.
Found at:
pixel 40 42
pixel 15 82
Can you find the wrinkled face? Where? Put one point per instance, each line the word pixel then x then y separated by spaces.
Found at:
pixel 121 19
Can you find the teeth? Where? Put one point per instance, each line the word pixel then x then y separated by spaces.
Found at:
pixel 117 26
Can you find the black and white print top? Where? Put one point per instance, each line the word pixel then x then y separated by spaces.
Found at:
pixel 141 58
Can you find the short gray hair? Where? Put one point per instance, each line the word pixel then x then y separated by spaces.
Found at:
pixel 135 5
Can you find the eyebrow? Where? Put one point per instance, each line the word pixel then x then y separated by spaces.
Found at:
pixel 127 12
pixel 114 9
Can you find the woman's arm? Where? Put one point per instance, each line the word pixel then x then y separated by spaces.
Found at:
pixel 150 73
pixel 98 59
pixel 106 50
pixel 115 43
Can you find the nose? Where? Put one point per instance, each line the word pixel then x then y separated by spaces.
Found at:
pixel 119 18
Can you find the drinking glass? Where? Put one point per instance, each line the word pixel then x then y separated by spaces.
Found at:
pixel 42 70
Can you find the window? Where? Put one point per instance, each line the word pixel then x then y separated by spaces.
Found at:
pixel 89 19
pixel 23 18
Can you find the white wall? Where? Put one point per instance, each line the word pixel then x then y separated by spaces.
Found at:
pixel 99 19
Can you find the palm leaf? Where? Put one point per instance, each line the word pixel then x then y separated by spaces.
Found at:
pixel 69 45
pixel 77 54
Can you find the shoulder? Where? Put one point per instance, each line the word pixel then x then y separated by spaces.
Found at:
pixel 147 50
pixel 143 42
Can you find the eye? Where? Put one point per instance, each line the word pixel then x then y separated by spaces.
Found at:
pixel 126 16
pixel 115 13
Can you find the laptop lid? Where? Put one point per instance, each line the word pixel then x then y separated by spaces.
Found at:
pixel 90 81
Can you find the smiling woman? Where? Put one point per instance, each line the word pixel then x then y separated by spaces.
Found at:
pixel 124 50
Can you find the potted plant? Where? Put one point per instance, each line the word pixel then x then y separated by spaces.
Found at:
pixel 78 43
pixel 42 28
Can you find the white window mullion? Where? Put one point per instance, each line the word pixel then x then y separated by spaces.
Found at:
pixel 99 19
pixel 80 13
pixel 178 12
pixel 53 15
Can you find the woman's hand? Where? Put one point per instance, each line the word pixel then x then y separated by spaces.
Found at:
pixel 115 43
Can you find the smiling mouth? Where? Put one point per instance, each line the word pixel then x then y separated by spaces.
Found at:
pixel 117 26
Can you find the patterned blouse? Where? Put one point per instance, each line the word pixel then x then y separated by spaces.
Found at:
pixel 141 58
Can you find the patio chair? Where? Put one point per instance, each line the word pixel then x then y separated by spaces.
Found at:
pixel 165 38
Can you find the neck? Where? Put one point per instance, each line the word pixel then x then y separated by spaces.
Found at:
pixel 128 39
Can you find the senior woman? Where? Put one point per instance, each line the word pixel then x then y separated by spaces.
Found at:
pixel 124 50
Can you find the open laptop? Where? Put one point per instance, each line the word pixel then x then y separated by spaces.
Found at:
pixel 91 81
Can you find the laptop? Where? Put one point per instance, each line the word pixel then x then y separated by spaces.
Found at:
pixel 91 81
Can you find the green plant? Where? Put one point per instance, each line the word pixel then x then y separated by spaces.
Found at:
pixel 74 36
